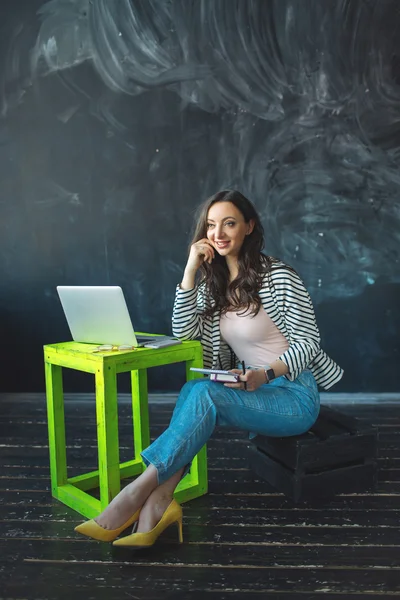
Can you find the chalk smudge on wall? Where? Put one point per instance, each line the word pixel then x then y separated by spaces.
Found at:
pixel 303 102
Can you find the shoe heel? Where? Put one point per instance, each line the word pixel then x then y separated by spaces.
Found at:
pixel 180 533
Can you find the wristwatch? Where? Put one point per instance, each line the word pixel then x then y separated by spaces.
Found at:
pixel 269 373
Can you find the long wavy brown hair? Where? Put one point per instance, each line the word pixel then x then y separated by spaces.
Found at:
pixel 242 294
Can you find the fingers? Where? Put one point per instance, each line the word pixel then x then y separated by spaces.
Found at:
pixel 204 248
pixel 242 384
pixel 249 382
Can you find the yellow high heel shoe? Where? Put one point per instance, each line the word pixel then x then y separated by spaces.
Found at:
pixel 173 514
pixel 95 531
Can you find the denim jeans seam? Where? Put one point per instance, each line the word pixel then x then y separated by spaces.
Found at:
pixel 200 422
pixel 163 467
pixel 259 410
pixel 156 465
pixel 311 409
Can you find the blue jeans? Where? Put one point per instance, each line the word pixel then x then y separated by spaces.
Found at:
pixel 280 408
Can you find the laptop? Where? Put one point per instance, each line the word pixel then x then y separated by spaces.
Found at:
pixel 99 315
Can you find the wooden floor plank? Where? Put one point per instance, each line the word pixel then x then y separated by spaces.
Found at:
pixel 230 531
pixel 103 592
pixel 245 500
pixel 211 554
pixel 222 451
pixel 221 516
pixel 128 574
pixel 253 486
pixel 41 476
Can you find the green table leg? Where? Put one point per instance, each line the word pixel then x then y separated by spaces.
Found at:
pixel 56 425
pixel 140 411
pixel 195 483
pixel 107 433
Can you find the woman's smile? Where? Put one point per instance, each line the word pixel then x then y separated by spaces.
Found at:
pixel 222 245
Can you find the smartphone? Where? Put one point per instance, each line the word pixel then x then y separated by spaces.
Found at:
pixel 218 375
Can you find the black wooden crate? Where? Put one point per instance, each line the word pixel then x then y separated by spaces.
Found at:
pixel 337 455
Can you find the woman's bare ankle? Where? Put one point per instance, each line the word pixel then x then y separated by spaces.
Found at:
pixel 127 502
pixel 153 510
pixel 120 509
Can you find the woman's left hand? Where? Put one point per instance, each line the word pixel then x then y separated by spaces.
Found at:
pixel 253 380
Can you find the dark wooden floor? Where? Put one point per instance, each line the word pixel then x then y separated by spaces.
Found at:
pixel 243 540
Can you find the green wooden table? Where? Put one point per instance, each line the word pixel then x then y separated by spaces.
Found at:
pixel 105 366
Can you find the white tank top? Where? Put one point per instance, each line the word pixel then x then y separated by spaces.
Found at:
pixel 256 340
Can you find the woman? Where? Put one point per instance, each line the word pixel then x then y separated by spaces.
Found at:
pixel 247 307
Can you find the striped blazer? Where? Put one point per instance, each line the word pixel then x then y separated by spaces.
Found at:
pixel 286 301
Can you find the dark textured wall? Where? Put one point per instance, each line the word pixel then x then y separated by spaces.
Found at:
pixel 118 117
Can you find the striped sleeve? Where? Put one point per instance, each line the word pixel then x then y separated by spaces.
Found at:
pixel 298 313
pixel 187 322
pixel 326 371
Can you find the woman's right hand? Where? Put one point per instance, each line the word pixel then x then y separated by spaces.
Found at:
pixel 201 251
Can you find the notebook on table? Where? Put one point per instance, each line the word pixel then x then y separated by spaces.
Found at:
pixel 99 315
